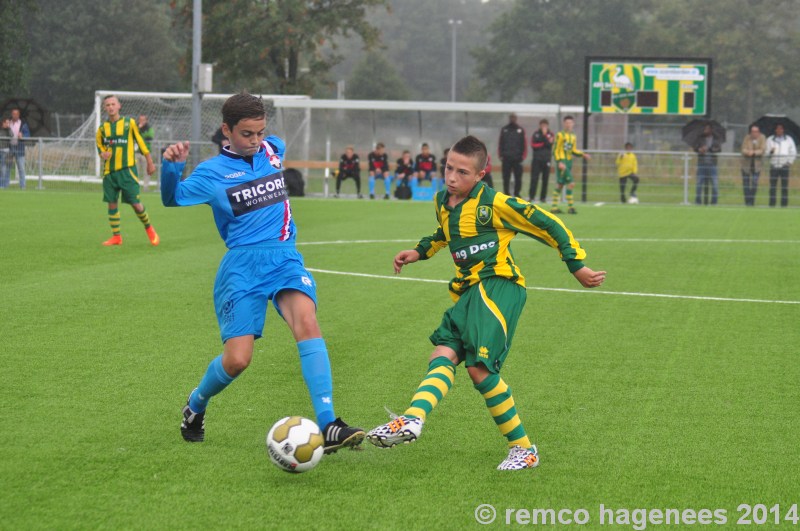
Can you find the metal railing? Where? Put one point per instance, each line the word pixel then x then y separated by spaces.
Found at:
pixel 666 177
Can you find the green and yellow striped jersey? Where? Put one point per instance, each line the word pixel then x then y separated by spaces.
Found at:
pixel 566 146
pixel 118 137
pixel 479 231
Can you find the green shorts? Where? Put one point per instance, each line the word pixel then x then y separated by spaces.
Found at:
pixel 481 324
pixel 125 181
pixel 564 176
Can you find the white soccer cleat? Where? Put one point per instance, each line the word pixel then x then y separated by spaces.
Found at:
pixel 399 430
pixel 520 458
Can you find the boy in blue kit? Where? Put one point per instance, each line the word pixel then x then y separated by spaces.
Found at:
pixel 245 188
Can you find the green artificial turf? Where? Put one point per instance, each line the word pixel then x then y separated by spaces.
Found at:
pixel 635 402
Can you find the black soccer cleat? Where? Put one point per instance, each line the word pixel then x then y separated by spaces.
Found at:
pixel 193 425
pixel 571 210
pixel 339 435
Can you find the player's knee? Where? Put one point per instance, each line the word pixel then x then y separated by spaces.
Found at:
pixel 478 373
pixel 236 362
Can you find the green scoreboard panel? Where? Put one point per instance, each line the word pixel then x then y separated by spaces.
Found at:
pixel 654 86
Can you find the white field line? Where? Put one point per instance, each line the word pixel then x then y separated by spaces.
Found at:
pixel 619 240
pixel 565 290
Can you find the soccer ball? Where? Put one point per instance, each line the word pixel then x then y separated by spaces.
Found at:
pixel 295 444
pixel 633 200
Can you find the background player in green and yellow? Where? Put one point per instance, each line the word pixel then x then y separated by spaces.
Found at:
pixel 115 140
pixel 566 145
pixel 478 224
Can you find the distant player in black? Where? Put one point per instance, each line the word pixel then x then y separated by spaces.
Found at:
pixel 404 170
pixel 349 168
pixel 379 169
pixel 425 165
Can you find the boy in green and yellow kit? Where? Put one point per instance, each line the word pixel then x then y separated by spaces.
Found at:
pixel 478 224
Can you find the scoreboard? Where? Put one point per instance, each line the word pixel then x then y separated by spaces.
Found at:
pixel 655 86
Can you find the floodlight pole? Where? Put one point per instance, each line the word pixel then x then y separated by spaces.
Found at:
pixel 454 24
pixel 197 49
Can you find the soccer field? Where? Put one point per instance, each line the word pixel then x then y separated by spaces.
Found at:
pixel 674 386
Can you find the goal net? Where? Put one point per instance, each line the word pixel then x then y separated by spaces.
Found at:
pixel 72 162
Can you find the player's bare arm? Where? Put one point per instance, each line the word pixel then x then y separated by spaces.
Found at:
pixel 177 152
pixel 405 257
pixel 151 168
pixel 589 278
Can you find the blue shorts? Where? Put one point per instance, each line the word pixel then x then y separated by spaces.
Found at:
pixel 429 175
pixel 248 277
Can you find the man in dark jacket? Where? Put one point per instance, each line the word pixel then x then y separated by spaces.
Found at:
pixel 512 149
pixel 542 144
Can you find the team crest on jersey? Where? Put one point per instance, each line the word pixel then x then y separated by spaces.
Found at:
pixel 484 214
pixel 275 161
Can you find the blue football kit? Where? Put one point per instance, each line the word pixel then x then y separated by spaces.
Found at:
pixel 250 204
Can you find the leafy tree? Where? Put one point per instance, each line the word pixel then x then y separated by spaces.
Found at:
pixel 536 49
pixel 114 44
pixel 14 47
pixel 375 78
pixel 275 46
pixel 753 47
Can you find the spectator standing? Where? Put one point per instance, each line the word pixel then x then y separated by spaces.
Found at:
pixel 542 144
pixel 349 168
pixel 512 149
pixel 753 148
pixel 627 168
pixel 487 177
pixel 148 135
pixel 5 137
pixel 220 139
pixel 19 132
pixel 707 147
pixel 782 151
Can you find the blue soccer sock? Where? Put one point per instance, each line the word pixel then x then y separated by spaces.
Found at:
pixel 213 382
pixel 371 185
pixel 317 373
pixel 387 184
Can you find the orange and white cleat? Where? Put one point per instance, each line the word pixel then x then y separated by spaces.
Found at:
pixel 520 458
pixel 114 240
pixel 401 429
pixel 151 233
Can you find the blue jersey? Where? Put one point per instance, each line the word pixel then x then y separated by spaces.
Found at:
pixel 247 195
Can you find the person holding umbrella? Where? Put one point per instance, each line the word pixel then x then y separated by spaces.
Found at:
pixel 753 147
pixel 707 146
pixel 782 151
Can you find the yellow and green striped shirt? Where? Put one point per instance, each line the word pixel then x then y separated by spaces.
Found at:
pixel 479 231
pixel 119 137
pixel 566 146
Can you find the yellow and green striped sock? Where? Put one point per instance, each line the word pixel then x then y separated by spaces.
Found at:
pixel 556 196
pixel 113 220
pixel 434 387
pixel 502 408
pixel 144 218
pixel 569 196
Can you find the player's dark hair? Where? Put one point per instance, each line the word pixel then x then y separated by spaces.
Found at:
pixel 379 145
pixel 109 96
pixel 544 121
pixel 241 107
pixel 446 151
pixel 628 144
pixel 472 147
pixel 406 151
pixel 569 117
pixel 425 144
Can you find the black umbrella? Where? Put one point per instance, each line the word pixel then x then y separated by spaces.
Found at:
pixel 692 131
pixel 768 122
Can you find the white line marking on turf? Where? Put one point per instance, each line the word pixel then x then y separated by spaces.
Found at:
pixel 619 240
pixel 565 290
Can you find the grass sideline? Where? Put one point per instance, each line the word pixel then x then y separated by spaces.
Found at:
pixel 635 402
